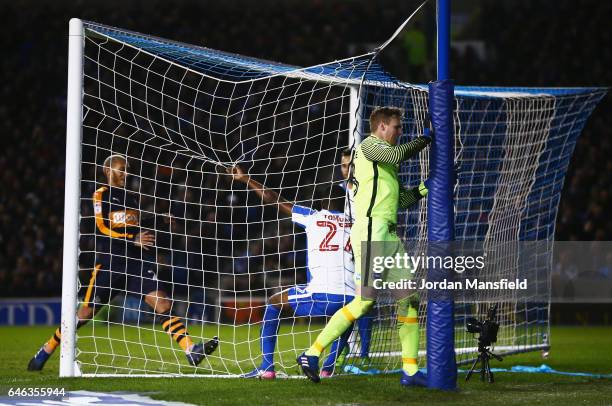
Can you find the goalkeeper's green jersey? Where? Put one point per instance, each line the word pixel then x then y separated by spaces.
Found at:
pixel 379 193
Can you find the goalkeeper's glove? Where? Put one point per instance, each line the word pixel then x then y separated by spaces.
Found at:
pixel 424 188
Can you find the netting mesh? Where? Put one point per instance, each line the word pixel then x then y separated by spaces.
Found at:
pixel 184 114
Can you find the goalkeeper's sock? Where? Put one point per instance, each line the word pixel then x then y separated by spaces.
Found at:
pixel 269 331
pixel 408 330
pixel 338 324
pixel 176 329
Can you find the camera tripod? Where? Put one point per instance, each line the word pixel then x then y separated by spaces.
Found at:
pixel 484 355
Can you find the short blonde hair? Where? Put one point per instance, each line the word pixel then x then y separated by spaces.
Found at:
pixel 383 114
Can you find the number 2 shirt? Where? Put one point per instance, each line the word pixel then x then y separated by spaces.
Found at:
pixel 329 257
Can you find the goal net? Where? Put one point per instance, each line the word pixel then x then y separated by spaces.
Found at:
pixel 183 114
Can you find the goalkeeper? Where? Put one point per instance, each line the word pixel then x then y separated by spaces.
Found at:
pixel 330 271
pixel 377 197
pixel 124 263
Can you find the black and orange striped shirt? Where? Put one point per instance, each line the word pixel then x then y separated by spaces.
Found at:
pixel 117 220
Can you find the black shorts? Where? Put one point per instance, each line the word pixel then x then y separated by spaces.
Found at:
pixel 113 275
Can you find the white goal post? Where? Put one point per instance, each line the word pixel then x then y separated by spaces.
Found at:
pixel 72 197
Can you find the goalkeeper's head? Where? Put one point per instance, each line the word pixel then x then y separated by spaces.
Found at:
pixel 386 124
pixel 115 169
pixel 333 199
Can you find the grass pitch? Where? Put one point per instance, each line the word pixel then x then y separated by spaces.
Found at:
pixel 583 349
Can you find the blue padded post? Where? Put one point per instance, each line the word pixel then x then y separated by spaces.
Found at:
pixel 441 366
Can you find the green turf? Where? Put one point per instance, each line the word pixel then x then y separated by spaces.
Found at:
pixel 136 350
pixel 583 349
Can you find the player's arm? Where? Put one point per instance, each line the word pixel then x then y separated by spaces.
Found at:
pixel 376 150
pixel 101 211
pixel 408 197
pixel 267 195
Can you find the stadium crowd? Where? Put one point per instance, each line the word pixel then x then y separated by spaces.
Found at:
pixel 569 52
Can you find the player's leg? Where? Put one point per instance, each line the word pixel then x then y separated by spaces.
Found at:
pixel 96 291
pixel 364 325
pixel 173 325
pixel 337 325
pixel 364 329
pixel 269 331
pixel 42 355
pixel 329 364
pixel 332 305
pixel 408 331
pixel 407 319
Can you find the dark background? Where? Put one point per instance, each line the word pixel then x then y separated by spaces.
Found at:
pixel 502 43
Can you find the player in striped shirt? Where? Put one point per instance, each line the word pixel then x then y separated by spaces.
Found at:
pixel 330 270
pixel 125 263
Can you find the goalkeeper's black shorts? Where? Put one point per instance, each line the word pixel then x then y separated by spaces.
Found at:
pixel 114 275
